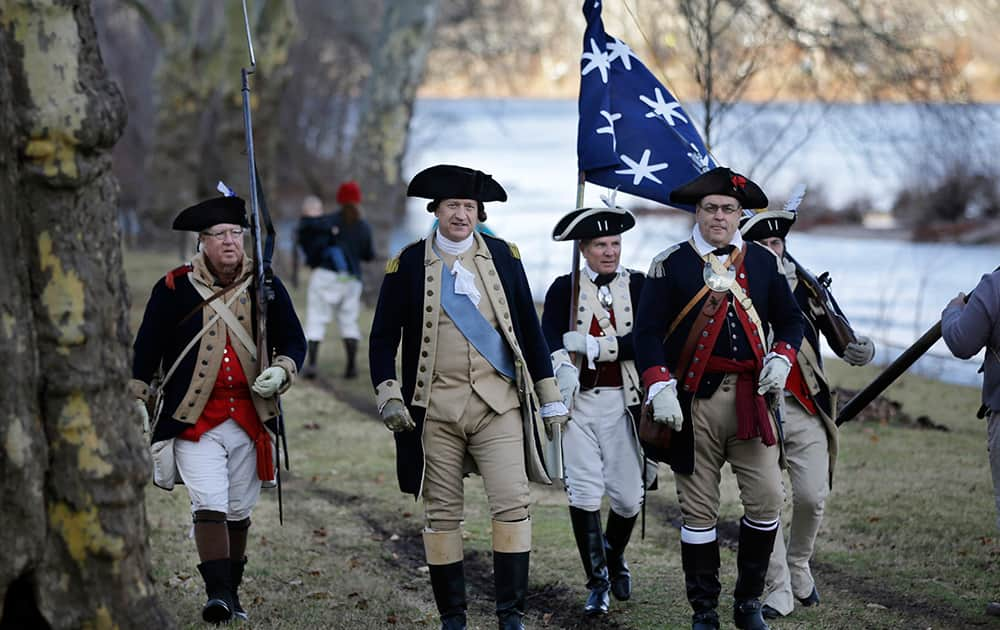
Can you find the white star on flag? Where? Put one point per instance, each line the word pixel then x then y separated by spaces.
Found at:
pixel 611 118
pixel 642 169
pixel 661 108
pixel 701 161
pixel 597 59
pixel 618 49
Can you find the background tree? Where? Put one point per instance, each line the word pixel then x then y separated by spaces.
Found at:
pixel 74 463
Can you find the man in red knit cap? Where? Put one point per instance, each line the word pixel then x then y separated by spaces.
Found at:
pixel 335 244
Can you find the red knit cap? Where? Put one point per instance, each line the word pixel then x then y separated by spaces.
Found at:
pixel 349 193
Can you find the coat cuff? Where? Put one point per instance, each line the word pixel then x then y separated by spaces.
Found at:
pixel 138 389
pixel 288 365
pixel 386 391
pixel 607 349
pixel 655 374
pixel 786 350
pixel 547 391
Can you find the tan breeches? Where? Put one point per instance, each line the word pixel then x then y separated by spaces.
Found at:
pixel 808 469
pixel 496 444
pixel 756 466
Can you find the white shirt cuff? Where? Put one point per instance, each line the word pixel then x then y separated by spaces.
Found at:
pixel 656 388
pixel 554 409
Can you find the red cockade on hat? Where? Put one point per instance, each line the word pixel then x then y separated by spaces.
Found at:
pixel 739 181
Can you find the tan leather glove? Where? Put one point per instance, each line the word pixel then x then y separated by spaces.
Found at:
pixel 396 416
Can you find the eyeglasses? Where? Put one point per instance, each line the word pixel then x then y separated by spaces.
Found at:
pixel 728 208
pixel 236 233
pixel 455 205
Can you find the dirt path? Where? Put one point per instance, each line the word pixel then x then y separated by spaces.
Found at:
pixel 556 605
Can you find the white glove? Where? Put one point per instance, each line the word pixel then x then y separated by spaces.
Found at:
pixel 666 407
pixel 859 352
pixel 143 413
pixel 568 379
pixel 575 342
pixel 774 374
pixel 269 381
pixel 396 416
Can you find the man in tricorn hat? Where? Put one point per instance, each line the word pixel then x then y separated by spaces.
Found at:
pixel 809 434
pixel 603 391
pixel 707 308
pixel 210 431
pixel 474 360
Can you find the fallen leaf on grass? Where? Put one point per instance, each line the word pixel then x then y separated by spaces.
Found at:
pixel 353 563
pixel 320 595
pixel 546 618
pixel 320 532
pixel 874 519
pixel 875 606
pixel 362 604
pixel 258 600
pixel 391 619
pixel 407 514
pixel 315 572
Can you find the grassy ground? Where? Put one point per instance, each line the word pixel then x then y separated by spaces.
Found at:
pixel 908 541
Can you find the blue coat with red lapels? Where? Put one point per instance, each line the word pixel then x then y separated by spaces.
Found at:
pixel 675 277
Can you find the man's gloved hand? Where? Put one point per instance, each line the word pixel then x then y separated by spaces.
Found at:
pixel 666 407
pixel 552 421
pixel 575 342
pixel 396 416
pixel 774 374
pixel 143 413
pixel 568 379
pixel 269 381
pixel 859 352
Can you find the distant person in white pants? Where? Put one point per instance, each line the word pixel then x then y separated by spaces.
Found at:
pixel 335 244
pixel 601 445
pixel 967 328
pixel 810 433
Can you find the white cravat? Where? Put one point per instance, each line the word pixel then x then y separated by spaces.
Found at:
pixel 704 247
pixel 465 280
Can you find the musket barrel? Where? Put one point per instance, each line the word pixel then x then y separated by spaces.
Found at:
pixel 890 374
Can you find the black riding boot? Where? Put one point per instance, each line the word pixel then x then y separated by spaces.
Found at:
pixel 218 585
pixel 510 579
pixel 236 571
pixel 310 370
pixel 751 565
pixel 351 349
pixel 590 542
pixel 616 537
pixel 448 583
pixel 701 579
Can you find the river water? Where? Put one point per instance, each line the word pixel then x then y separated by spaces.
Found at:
pixel 891 290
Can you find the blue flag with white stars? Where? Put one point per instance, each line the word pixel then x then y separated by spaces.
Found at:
pixel 633 135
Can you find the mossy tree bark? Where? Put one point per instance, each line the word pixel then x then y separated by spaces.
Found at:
pixel 73 462
pixel 398 61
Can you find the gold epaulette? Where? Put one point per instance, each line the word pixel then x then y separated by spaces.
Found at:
pixel 392 265
pixel 514 251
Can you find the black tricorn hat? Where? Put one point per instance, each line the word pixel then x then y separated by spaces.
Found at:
pixel 767 224
pixel 214 211
pixel 584 223
pixel 720 181
pixel 446 181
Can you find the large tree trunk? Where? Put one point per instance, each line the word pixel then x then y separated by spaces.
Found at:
pixel 73 463
pixel 398 61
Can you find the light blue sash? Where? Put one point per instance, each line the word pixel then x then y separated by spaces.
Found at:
pixel 476 329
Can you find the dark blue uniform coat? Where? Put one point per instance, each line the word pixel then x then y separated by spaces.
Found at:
pixel 399 314
pixel 674 278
